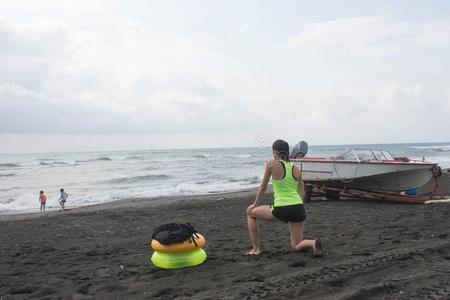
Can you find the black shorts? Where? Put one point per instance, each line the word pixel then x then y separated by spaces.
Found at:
pixel 290 213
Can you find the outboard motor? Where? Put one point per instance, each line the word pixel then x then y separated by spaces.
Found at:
pixel 299 150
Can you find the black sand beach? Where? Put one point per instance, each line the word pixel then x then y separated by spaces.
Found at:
pixel 373 250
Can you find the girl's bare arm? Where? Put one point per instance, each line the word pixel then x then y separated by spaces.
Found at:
pixel 301 184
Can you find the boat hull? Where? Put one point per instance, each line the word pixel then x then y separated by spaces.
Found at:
pixel 376 176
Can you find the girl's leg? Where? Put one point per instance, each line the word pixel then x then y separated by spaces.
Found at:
pixel 299 244
pixel 259 212
pixel 253 232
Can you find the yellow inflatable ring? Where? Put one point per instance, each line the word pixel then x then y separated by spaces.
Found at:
pixel 178 260
pixel 185 246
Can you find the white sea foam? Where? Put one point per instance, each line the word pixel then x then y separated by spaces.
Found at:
pixel 201 155
pixel 432 147
pixel 443 161
pixel 22 202
pixel 240 156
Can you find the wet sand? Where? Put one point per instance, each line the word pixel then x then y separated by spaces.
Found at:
pixel 372 249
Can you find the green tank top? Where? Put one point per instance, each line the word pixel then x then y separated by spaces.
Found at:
pixel 285 190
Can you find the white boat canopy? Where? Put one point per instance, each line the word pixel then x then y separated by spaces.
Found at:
pixel 365 155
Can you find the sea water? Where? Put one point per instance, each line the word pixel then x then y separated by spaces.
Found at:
pixel 97 177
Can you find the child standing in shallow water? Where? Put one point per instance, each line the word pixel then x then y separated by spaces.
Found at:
pixel 289 192
pixel 63 199
pixel 42 200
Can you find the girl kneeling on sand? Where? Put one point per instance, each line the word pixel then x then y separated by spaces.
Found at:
pixel 289 190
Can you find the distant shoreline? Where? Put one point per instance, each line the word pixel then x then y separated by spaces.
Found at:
pixel 155 201
pixel 160 200
pixel 129 203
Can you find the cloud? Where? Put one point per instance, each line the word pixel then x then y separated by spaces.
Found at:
pixel 369 36
pixel 245 28
pixel 25 111
pixel 391 113
pixel 93 70
pixel 69 67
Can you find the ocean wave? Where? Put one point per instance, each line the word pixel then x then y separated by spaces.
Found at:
pixel 239 156
pixel 436 148
pixel 43 163
pixel 102 159
pixel 150 168
pixel 134 158
pixel 9 165
pixel 250 179
pixel 19 203
pixel 94 160
pixel 6 201
pixel 343 148
pixel 135 179
pixel 201 155
pixel 183 159
pixel 210 187
pixel 259 162
pixel 7 175
pixel 202 182
pixel 443 161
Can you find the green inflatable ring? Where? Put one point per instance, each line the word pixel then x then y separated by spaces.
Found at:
pixel 178 260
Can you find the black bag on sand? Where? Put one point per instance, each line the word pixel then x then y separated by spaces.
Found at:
pixel 173 233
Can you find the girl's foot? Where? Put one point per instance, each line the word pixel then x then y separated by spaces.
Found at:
pixel 318 248
pixel 253 252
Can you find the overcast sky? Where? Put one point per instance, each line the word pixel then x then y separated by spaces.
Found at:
pixel 86 75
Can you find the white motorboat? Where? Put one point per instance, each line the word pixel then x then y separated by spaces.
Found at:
pixel 366 169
